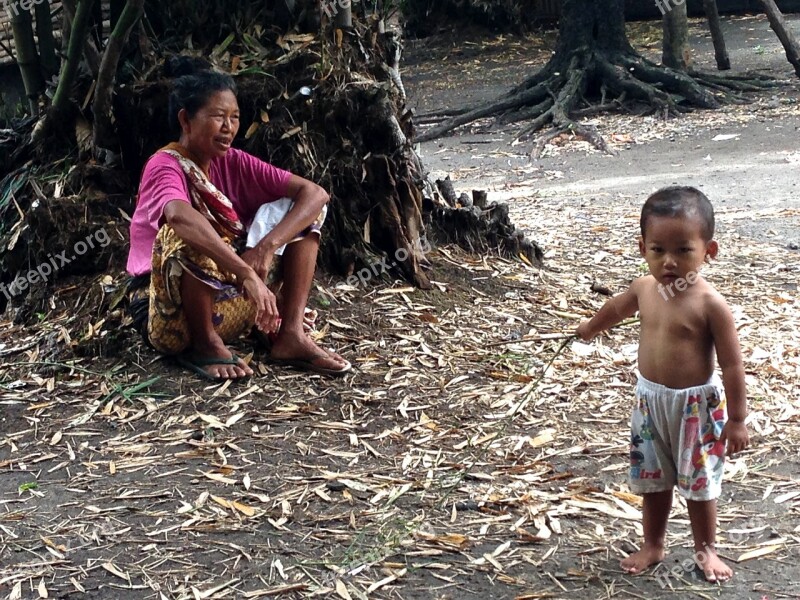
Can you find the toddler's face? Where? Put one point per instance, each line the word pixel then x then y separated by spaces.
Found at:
pixel 674 246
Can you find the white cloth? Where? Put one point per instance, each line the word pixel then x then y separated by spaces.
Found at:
pixel 266 219
pixel 269 215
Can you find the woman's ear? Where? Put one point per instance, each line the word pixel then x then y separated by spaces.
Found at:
pixel 712 248
pixel 183 120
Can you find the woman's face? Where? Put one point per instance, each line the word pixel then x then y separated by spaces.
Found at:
pixel 210 132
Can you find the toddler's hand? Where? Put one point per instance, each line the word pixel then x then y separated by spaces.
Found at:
pixel 584 332
pixel 735 434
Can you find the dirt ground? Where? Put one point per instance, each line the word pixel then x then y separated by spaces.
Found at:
pixel 446 466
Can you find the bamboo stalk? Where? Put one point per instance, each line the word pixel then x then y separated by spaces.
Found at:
pixel 27 57
pixel 80 24
pixel 47 42
pixel 104 135
pixel 90 52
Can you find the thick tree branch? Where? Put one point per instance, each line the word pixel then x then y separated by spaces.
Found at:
pixel 714 24
pixel 784 33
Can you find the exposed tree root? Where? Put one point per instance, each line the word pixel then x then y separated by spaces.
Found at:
pixel 481 230
pixel 555 96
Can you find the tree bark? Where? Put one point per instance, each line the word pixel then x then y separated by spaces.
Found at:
pixel 47 43
pixel 784 33
pixel 104 136
pixel 592 24
pixel 27 57
pixel 715 26
pixel 676 37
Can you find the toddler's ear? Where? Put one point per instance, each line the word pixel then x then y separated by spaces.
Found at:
pixel 712 248
pixel 642 249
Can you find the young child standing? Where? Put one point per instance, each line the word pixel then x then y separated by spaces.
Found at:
pixel 680 425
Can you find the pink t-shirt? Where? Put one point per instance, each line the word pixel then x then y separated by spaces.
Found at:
pixel 246 180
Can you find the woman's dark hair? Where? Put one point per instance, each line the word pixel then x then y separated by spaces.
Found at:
pixel 191 92
pixel 680 201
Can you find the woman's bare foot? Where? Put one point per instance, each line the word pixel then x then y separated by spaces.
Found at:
pixel 713 568
pixel 644 558
pixel 292 347
pixel 203 354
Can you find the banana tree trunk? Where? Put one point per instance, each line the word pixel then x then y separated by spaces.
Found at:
pixel 47 43
pixel 104 137
pixel 27 57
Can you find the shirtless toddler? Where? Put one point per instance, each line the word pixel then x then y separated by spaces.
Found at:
pixel 680 425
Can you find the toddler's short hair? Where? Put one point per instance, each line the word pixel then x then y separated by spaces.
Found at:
pixel 680 201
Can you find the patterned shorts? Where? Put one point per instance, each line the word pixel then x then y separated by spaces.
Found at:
pixel 675 439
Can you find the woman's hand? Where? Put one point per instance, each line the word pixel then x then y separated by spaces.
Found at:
pixel 260 259
pixel 196 231
pixel 255 290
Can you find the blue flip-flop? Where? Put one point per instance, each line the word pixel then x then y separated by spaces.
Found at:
pixel 196 365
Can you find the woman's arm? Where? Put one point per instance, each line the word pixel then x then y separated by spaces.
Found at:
pixel 309 198
pixel 194 229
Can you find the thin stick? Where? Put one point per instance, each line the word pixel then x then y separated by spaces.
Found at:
pixel 548 336
pixel 508 419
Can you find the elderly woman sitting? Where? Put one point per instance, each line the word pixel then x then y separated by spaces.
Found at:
pixel 197 199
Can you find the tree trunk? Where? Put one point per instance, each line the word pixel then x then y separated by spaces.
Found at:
pixel 714 24
pixel 589 23
pixel 104 137
pixel 784 33
pixel 676 37
pixel 593 59
pixel 47 43
pixel 27 57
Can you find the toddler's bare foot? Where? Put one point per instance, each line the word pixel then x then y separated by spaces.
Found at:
pixel 713 568
pixel 644 558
